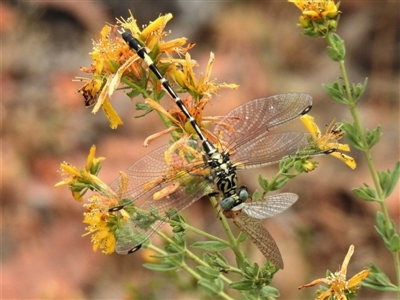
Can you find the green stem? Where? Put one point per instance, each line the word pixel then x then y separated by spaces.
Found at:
pixel 185 267
pixel 368 157
pixel 207 235
pixel 233 241
pixel 191 255
pixel 367 152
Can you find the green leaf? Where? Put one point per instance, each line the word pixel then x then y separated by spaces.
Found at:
pixel 161 267
pixel 263 183
pixel 247 296
pixel 353 136
pixel 208 258
pixel 241 237
pixel 177 229
pixel 242 285
pixel 380 222
pixel 269 292
pixel 373 136
pixel 394 243
pixel 221 260
pixel 154 52
pixel 253 270
pixel 279 183
pixel 210 245
pixel 359 89
pixel 208 272
pixel 172 213
pixel 143 106
pixel 289 176
pixel 349 129
pixel 171 248
pixel 378 280
pixel 179 239
pixel 161 95
pixel 216 260
pixel 366 193
pixel 336 49
pixel 132 94
pixel 221 263
pixel 286 163
pixel 336 92
pixel 388 180
pixel 390 238
pixel 211 287
pixel 256 195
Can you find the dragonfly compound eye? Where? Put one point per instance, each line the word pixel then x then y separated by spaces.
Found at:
pixel 227 203
pixel 243 194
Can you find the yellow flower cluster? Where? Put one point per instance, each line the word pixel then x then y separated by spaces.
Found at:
pixel 114 62
pixel 318 17
pixel 99 225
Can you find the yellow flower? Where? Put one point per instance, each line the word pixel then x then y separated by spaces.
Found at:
pixel 339 288
pixel 114 61
pixel 308 165
pixel 80 180
pixel 203 86
pixel 329 140
pixel 100 226
pixel 316 9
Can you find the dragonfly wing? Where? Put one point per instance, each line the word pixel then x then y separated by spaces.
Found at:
pixel 270 206
pixel 152 214
pixel 261 238
pixel 153 172
pixel 250 120
pixel 271 148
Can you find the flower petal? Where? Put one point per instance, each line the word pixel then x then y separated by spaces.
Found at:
pixel 111 114
pixel 356 279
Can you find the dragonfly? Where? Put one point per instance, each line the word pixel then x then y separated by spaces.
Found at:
pixel 171 178
pixel 247 216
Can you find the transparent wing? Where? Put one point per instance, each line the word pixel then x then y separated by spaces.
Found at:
pixel 155 171
pixel 156 187
pixel 261 238
pixel 248 121
pixel 270 205
pixel 152 214
pixel 271 148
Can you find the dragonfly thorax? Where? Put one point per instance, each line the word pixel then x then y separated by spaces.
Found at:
pixel 223 173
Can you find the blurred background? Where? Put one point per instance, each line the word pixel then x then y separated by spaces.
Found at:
pixel 256 45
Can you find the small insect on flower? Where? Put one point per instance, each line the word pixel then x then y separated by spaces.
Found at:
pixel 328 141
pixel 339 288
pixel 90 91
